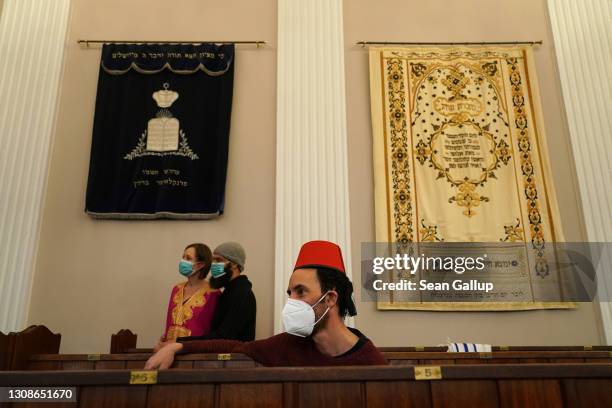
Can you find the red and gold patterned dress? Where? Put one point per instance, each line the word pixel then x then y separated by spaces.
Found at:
pixel 193 316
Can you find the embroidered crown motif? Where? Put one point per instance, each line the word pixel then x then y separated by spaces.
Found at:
pixel 165 98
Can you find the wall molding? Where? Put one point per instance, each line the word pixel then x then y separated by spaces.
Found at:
pixel 32 44
pixel 311 140
pixel 583 45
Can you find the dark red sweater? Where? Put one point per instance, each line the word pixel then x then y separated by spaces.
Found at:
pixel 288 350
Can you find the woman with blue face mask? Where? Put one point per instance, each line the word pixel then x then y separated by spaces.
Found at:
pixel 193 302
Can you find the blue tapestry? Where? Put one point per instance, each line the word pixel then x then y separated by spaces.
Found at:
pixel 161 131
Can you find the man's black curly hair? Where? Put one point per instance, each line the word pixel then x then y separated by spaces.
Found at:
pixel 331 279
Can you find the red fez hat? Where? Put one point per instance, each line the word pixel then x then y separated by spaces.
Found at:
pixel 320 254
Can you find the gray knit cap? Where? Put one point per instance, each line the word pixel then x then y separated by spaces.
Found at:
pixel 232 251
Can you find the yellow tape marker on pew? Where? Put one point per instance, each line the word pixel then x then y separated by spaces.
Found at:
pixel 504 348
pixel 588 348
pixel 143 377
pixel 485 355
pixel 427 373
pixel 93 357
pixel 419 348
pixel 224 356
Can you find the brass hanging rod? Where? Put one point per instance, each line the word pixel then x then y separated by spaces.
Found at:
pixel 364 43
pixel 258 43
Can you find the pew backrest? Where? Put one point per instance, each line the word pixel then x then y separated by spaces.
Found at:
pixel 548 385
pixel 135 361
pixel 31 341
pixel 233 360
pixel 122 341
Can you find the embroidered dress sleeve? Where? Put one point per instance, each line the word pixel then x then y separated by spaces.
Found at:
pixel 169 313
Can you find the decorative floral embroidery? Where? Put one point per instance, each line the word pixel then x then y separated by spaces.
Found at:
pixel 468 198
pixel 177 331
pixel 490 68
pixel 422 152
pixel 513 232
pixel 456 82
pixel 418 69
pixel 503 152
pixel 429 233
pixel 400 169
pixel 530 189
pixel 184 311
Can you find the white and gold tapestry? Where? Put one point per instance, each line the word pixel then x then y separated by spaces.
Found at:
pixel 460 156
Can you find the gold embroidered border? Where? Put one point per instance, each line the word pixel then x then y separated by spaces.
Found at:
pixel 527 167
pixel 400 165
pixel 181 312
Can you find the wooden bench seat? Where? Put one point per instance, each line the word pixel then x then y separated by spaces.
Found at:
pixel 522 385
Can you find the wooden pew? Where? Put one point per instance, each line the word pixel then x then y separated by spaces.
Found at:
pixel 498 357
pixel 135 361
pixel 31 341
pixel 525 385
pixel 552 348
pixel 6 351
pixel 122 341
pixel 204 360
pixel 412 348
pixel 443 349
pixel 506 348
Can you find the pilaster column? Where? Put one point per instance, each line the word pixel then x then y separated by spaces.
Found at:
pixel 32 42
pixel 311 147
pixel 583 44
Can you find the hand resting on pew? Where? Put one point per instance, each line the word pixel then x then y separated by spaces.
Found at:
pixel 163 358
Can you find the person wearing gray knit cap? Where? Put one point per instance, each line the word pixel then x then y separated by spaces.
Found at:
pixel 233 252
pixel 236 311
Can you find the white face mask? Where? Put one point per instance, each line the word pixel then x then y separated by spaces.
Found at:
pixel 299 317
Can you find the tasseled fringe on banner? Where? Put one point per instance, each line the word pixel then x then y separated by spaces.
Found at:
pixel 154 216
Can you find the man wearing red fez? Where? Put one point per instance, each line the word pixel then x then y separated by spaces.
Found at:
pixel 320 297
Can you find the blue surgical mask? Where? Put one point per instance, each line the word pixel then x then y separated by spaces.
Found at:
pixel 217 269
pixel 185 267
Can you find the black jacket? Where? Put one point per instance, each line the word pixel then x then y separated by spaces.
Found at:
pixel 234 317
